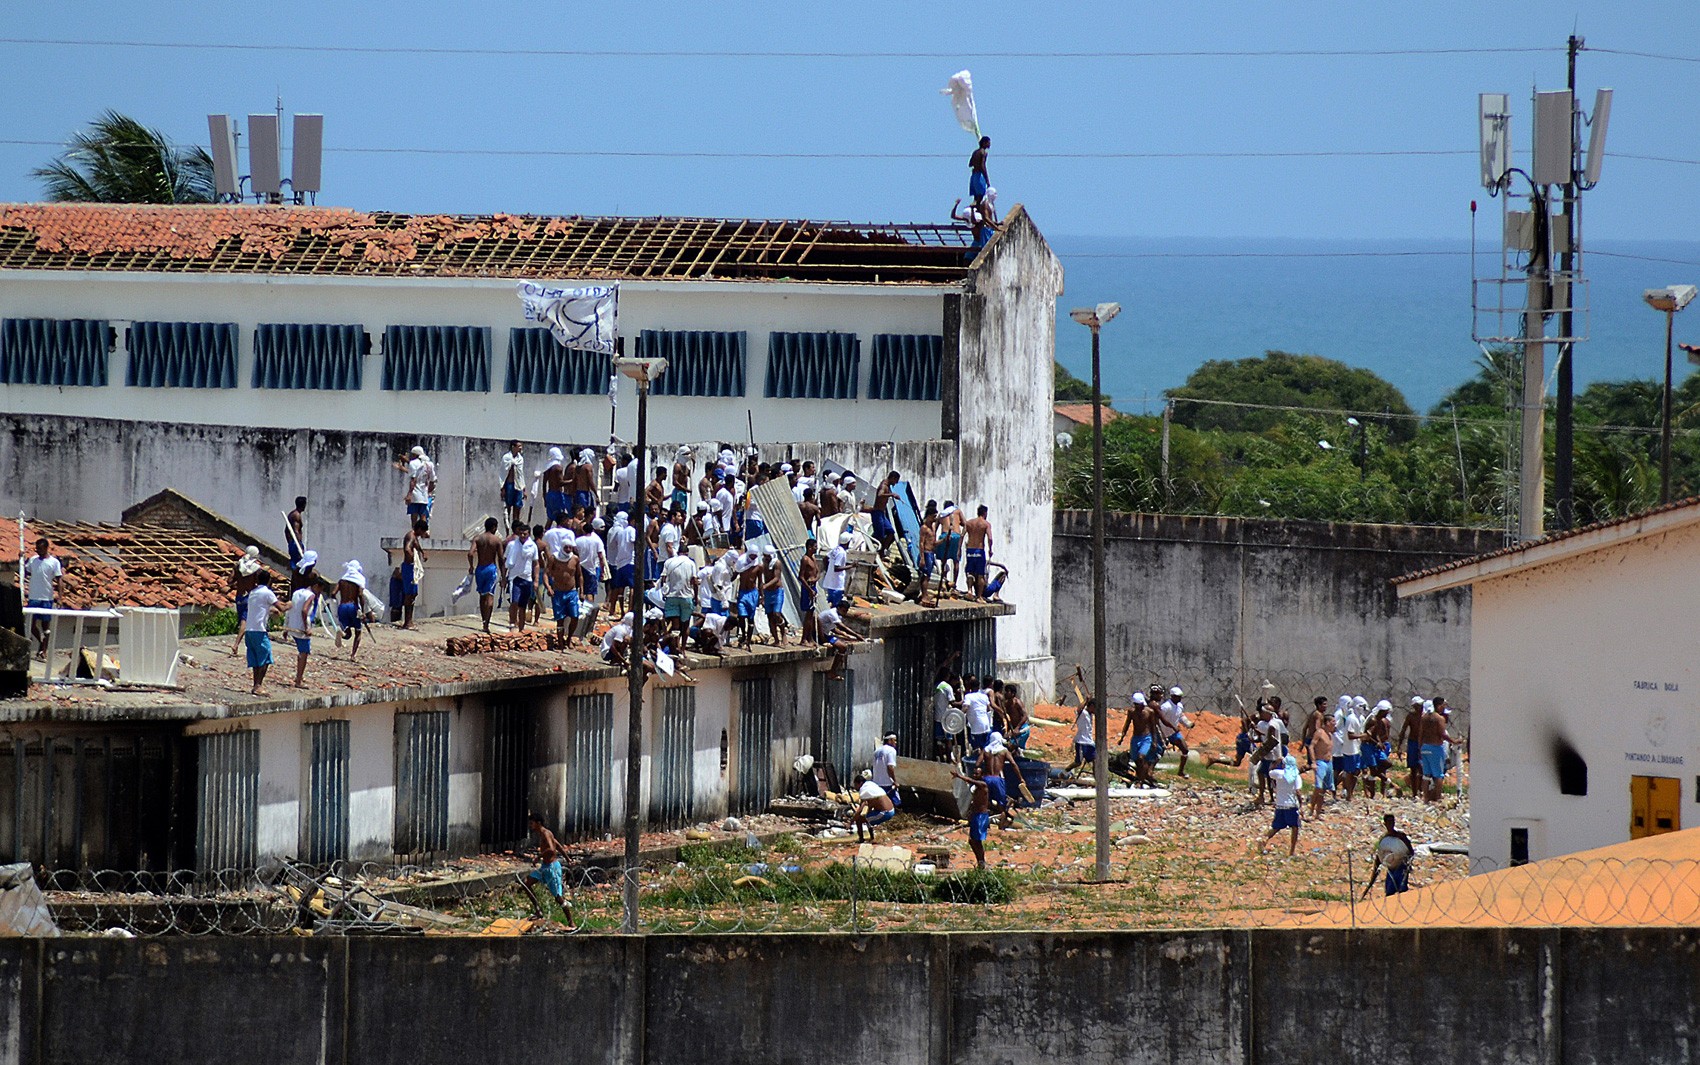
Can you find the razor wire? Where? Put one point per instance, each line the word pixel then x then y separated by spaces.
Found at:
pixel 793 893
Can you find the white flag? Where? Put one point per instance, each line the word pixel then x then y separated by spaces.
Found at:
pixel 961 93
pixel 613 390
pixel 585 318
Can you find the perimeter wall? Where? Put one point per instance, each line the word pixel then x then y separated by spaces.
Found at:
pixel 1387 996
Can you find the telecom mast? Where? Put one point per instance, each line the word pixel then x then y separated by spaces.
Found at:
pixel 1540 253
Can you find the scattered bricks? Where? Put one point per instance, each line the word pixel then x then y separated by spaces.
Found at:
pixel 490 643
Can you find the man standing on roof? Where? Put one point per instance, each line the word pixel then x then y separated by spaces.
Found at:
pixel 678 590
pixel 553 481
pixel 519 559
pixel 622 558
pixel 773 596
pixel 513 483
pixel 837 564
pixel 592 559
pixel 584 482
pixel 421 482
pixel 978 179
pixel 350 604
pixel 298 625
pixel 884 531
pixel 412 566
pixel 241 582
pixel 977 549
pixel 262 604
pixel 43 572
pixel 295 530
pixel 483 562
pixel 949 546
pixel 681 498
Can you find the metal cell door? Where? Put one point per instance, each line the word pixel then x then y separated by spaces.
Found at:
pixel 671 785
pixel 754 786
pixel 508 735
pixel 590 764
pixel 227 802
pixel 325 828
pixel 980 648
pixel 422 783
pixel 908 695
pixel 835 723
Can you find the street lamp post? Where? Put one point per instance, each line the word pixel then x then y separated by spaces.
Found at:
pixel 1363 447
pixel 643 372
pixel 1670 299
pixel 1094 318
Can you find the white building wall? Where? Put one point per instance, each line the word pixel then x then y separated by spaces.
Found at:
pixel 1596 652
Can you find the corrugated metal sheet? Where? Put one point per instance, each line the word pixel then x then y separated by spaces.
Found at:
pixel 54 351
pixel 227 807
pixel 699 363
pixel 590 764
pixel 980 647
pixel 785 531
pixel 754 785
pixel 538 364
pixel 509 733
pixel 182 355
pixel 326 806
pixel 908 694
pixel 79 802
pixel 436 358
pixel 813 365
pixel 321 357
pixel 906 367
pixel 422 783
pixel 671 785
pixel 835 723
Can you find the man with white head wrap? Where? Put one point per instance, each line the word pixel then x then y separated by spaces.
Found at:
pixel 1348 736
pixel 683 463
pixel 350 596
pixel 241 581
pixel 1434 737
pixel 421 482
pixel 748 569
pixel 584 482
pixel 1287 784
pixel 622 559
pixel 553 478
pixel 626 477
pixel 837 565
pixel 773 595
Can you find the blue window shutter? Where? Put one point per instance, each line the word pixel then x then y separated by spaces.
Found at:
pixel 51 351
pixel 699 363
pixel 538 364
pixel 436 358
pixel 321 357
pixel 182 355
pixel 813 365
pixel 906 367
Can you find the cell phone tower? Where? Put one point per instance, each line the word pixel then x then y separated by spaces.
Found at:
pixel 1540 261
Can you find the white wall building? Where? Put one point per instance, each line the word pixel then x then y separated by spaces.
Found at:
pixel 246 354
pixel 1585 724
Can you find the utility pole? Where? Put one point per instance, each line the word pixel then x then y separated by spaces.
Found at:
pixel 1564 516
pixel 1531 501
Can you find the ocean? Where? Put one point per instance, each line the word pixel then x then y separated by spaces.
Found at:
pixel 1406 317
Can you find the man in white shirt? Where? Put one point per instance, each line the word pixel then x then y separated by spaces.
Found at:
pixel 1085 743
pixel 298 626
pixel 837 564
pixel 672 534
pixel 520 557
pixel 513 482
pixel 977 705
pixel 1348 739
pixel 625 475
pixel 42 571
pixel 944 697
pixel 616 641
pixel 1174 719
pixel 592 558
pixel 678 580
pixel 885 767
pixel 1287 784
pixel 622 559
pixel 421 483
pixel 723 506
pixel 262 604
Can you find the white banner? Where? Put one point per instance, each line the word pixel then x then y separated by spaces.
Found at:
pixel 585 318
pixel 961 93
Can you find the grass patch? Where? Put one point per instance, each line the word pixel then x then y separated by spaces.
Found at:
pixel 982 886
pixel 708 855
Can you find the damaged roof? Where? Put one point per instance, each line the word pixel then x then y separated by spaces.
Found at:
pixel 256 239
pixel 129 565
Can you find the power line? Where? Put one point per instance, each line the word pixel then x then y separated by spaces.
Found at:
pixel 1645 258
pixel 1646 55
pixel 1461 253
pixel 627 53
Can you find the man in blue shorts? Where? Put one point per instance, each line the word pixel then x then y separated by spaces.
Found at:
pixel 773 596
pixel 1287 784
pixel 548 871
pixel 1434 737
pixel 1394 850
pixel 42 572
pixel 873 806
pixel 484 562
pixel 262 604
pixel 977 549
pixel 350 605
pixel 979 816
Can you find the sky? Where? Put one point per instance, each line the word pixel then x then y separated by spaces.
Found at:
pixel 1046 111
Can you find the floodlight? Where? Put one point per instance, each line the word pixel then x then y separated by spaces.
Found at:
pixel 1325 445
pixel 1671 298
pixel 1597 136
pixel 1065 440
pixel 1353 422
pixel 642 371
pixel 1093 317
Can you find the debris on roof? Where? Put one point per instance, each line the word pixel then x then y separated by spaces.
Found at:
pixel 129 565
pixel 255 239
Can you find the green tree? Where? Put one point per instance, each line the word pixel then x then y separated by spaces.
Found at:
pixel 119 160
pixel 1497 383
pixel 1282 379
pixel 1071 389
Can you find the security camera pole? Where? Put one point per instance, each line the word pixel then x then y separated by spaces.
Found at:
pixel 643 372
pixel 1094 318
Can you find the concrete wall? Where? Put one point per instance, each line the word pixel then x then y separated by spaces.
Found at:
pixel 1597 653
pixel 1005 382
pixel 1533 996
pixel 757 309
pixel 1217 605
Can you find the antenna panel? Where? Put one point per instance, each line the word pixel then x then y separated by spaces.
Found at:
pixel 225 180
pixel 1554 162
pixel 1494 111
pixel 306 154
pixel 265 163
pixel 1597 135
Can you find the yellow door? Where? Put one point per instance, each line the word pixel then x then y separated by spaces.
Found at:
pixel 1655 806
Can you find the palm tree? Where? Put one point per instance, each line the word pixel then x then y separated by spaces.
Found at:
pixel 119 160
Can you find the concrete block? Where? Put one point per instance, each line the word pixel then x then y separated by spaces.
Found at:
pixel 493 1001
pixel 1399 997
pixel 276 1000
pixel 1630 994
pixel 1087 998
pixel 800 999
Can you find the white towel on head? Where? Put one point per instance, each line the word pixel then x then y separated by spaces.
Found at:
pixel 354 574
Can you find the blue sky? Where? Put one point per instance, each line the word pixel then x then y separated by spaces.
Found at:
pixel 890 104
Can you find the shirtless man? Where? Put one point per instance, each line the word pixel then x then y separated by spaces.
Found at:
pixel 977 548
pixel 1140 723
pixel 1373 757
pixel 412 568
pixel 929 551
pixel 810 510
pixel 655 493
pixel 873 806
pixel 562 572
pixel 773 597
pixel 993 759
pixel 1321 752
pixel 749 595
pixel 584 483
pixel 950 546
pixel 484 565
pixel 808 572
pixel 979 816
pixel 1020 724
pixel 884 496
pixel 553 479
pixel 681 497
pixel 1434 739
pixel 1409 737
pixel 295 530
pixel 548 871
pixel 350 607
